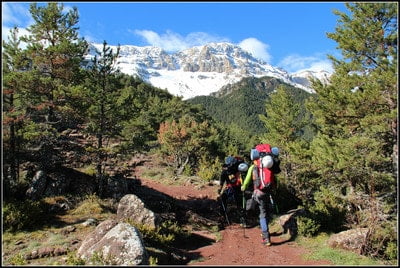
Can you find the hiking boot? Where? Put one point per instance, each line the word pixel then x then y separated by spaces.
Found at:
pixel 243 222
pixel 266 240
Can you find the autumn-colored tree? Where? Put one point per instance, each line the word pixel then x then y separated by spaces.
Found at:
pixel 186 140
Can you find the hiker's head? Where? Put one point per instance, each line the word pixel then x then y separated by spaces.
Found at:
pixel 275 151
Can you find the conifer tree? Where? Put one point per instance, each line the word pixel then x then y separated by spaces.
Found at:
pixel 15 63
pixel 284 129
pixel 356 114
pixel 103 111
pixel 56 52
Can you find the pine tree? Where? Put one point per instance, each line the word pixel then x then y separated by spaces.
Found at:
pixel 15 63
pixel 284 125
pixel 56 52
pixel 355 114
pixel 357 111
pixel 103 111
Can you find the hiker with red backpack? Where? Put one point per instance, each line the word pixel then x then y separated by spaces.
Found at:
pixel 261 173
pixel 231 177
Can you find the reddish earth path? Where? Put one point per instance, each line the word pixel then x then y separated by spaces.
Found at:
pixel 238 246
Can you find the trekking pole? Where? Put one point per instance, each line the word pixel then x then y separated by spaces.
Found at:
pixel 273 204
pixel 226 214
pixel 243 219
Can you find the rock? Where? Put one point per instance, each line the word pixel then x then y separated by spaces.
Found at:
pixel 132 207
pixel 352 240
pixel 116 243
pixel 89 222
pixel 288 221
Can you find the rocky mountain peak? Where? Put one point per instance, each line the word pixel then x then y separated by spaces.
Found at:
pixel 199 70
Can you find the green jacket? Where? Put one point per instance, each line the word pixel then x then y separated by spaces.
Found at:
pixel 247 180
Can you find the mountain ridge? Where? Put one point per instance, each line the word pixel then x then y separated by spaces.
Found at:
pixel 201 70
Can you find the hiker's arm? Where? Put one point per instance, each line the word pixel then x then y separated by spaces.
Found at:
pixel 248 178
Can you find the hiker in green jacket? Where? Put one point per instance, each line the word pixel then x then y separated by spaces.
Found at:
pixel 261 199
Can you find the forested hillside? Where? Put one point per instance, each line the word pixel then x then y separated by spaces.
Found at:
pixel 242 103
pixel 338 147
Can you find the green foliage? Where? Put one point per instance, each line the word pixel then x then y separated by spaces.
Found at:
pixel 243 102
pixel 328 210
pixel 355 115
pixel 97 258
pixel 186 140
pixel 209 170
pixel 153 260
pixel 356 112
pixel 163 236
pixel 319 250
pixel 307 226
pixel 382 240
pixel 17 260
pixel 73 259
pixel 90 205
pixel 23 215
pixel 391 251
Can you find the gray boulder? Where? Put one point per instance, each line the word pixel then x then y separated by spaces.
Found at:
pixel 288 221
pixel 352 240
pixel 132 207
pixel 116 243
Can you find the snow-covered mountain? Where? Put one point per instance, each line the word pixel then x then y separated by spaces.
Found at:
pixel 303 77
pixel 199 70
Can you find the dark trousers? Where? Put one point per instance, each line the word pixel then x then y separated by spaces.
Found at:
pixel 231 195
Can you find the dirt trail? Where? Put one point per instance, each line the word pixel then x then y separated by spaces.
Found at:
pixel 238 246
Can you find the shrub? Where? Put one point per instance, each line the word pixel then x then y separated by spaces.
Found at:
pixel 307 226
pixel 20 215
pixel 207 171
pixel 91 205
pixel 164 235
pixel 328 210
pixel 73 259
pixel 381 241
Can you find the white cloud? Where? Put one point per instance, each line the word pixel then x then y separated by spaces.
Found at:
pixel 296 63
pixel 256 48
pixel 15 15
pixel 173 42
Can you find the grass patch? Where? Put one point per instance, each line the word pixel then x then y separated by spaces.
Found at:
pixel 94 206
pixel 321 251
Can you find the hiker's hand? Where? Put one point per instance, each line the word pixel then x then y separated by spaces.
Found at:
pixel 242 188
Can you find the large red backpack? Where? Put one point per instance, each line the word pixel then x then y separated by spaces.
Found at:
pixel 263 177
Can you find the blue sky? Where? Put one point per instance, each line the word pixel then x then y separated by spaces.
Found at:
pixel 291 35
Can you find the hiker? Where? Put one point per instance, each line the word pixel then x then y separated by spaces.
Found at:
pixel 261 174
pixel 231 176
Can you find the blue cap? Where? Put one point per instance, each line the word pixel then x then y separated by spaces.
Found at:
pixel 275 151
